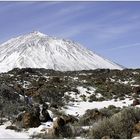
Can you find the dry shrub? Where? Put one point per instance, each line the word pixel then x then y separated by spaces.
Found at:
pixel 120 125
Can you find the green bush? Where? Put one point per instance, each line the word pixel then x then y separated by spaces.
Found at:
pixel 67 131
pixel 120 90
pixel 122 98
pixel 90 116
pixel 92 98
pixel 120 125
pixel 111 110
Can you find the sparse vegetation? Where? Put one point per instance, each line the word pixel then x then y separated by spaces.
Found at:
pixel 20 88
pixel 119 126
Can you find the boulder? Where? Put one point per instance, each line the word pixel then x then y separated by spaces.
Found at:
pixel 59 122
pixel 60 129
pixel 31 117
pixel 54 105
pixel 13 128
pixel 136 130
pixel 69 119
pixel 30 120
pixel 44 115
pixel 136 89
pixel 135 102
pixel 54 132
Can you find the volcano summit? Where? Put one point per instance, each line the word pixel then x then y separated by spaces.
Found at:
pixel 37 50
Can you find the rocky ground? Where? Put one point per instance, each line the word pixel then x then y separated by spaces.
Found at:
pixel 39 103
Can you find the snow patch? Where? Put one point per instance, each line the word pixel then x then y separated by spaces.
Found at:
pixel 11 134
pixel 79 108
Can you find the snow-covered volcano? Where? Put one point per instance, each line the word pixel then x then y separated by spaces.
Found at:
pixel 37 50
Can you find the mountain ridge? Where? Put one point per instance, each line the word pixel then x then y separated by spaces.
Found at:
pixel 37 50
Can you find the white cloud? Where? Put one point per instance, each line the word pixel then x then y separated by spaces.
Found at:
pixel 125 46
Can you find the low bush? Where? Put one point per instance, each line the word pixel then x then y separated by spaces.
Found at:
pixel 90 116
pixel 111 110
pixel 92 98
pixel 120 125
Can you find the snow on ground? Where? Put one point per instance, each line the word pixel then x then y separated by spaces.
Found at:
pixel 136 138
pixel 124 82
pixel 88 91
pixel 135 85
pixel 12 134
pixel 130 81
pixel 82 93
pixel 26 84
pixel 135 72
pixel 75 78
pixel 79 108
pixel 83 81
pixel 87 127
pixel 41 129
pixel 7 133
pixel 47 78
pixel 112 80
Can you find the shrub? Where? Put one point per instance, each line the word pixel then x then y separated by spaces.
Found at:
pixel 120 89
pixel 81 131
pixel 90 116
pixel 67 131
pixel 100 89
pixel 122 98
pixel 111 110
pixel 118 126
pixel 92 98
pixel 101 99
pixel 83 97
pixel 137 113
pixel 56 79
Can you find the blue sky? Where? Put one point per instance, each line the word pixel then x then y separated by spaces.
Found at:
pixel 111 29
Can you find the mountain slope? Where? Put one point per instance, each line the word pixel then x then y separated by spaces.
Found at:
pixel 37 50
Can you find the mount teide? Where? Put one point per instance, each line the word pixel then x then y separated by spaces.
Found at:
pixel 37 50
